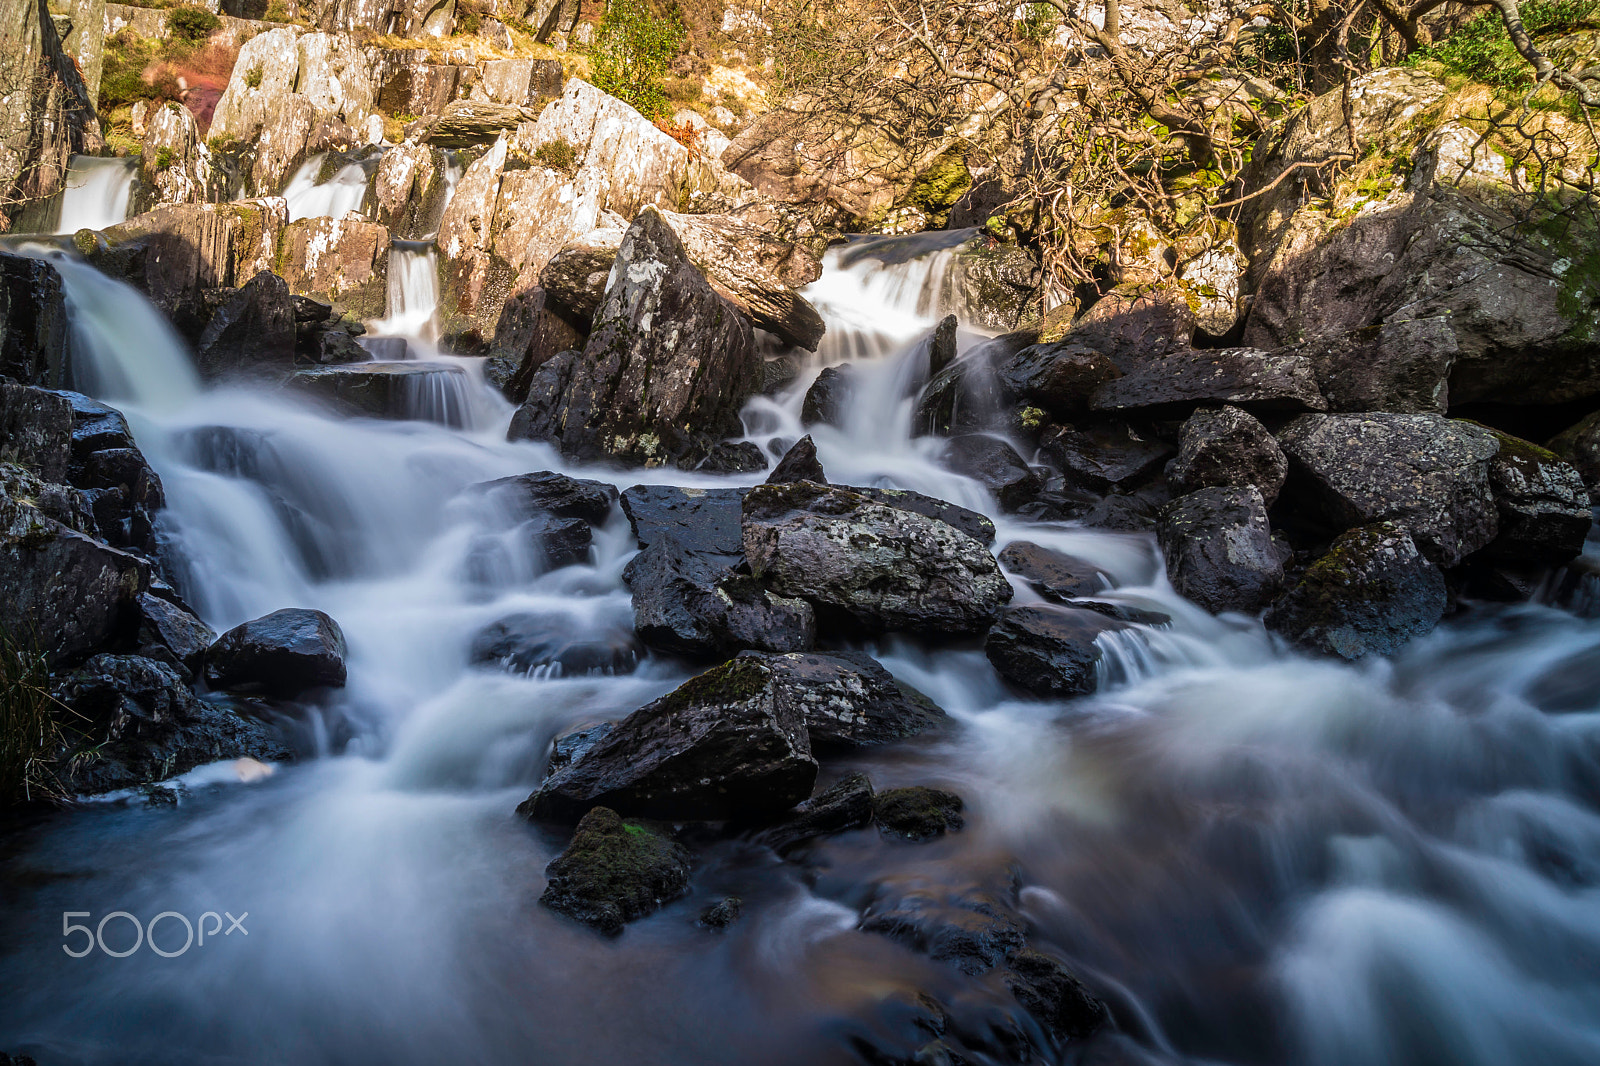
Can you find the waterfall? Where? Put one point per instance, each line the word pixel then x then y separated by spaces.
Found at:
pixel 413 293
pixel 96 193
pixel 310 197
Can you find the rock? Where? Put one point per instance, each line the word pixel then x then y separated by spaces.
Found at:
pixel 252 332
pixel 972 927
pixel 174 161
pixel 406 390
pixel 844 805
pixel 733 457
pixel 1426 473
pixel 705 521
pixel 165 626
pixel 530 334
pixel 95 426
pixel 1049 651
pixel 614 872
pixel 967 521
pixel 575 277
pixel 724 744
pixel 283 654
pixel 1226 446
pixel 1219 549
pixel 1580 446
pixel 33 322
pixel 995 283
pixel 968 395
pixel 47 114
pixel 942 346
pixel 917 813
pixel 883 568
pixel 827 397
pixel 1246 377
pixel 1371 593
pixel 543 645
pixel 1139 322
pixel 1056 998
pixel 408 188
pixel 340 261
pixel 1104 455
pixel 546 492
pixel 996 465
pixel 799 463
pixel 1058 378
pixel 562 541
pixel 520 82
pixel 1052 574
pixel 1393 366
pixel 721 914
pixel 849 700
pixel 686 381
pixel 567 748
pixel 36 431
pixel 1542 504
pixel 469 123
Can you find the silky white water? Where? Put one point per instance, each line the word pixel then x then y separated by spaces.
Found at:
pixel 1258 858
pixel 310 197
pixel 96 193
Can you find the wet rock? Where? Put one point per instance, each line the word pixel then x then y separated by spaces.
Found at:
pixel 685 358
pixel 850 701
pixel 883 568
pixel 36 431
pixel 1245 377
pixel 918 813
pixel 1052 574
pixel 842 806
pixel 1103 455
pixel 973 927
pixel 283 654
pixel 143 724
pixel 1371 593
pixel 1049 651
pixel 1426 473
pixel 706 521
pixel 562 541
pixel 383 390
pixel 542 644
pixel 733 457
pixel 827 397
pixel 1542 504
pixel 1128 512
pixel 799 463
pixel 1226 446
pixel 968 394
pixel 548 493
pixel 96 426
pixel 567 748
pixel 1058 378
pixel 1219 549
pixel 166 626
pixel 1056 998
pixel 253 331
pixel 33 322
pixel 942 345
pixel 721 745
pixel 615 872
pixel 970 522
pixel 995 464
pixel 1580 446
pixel 722 913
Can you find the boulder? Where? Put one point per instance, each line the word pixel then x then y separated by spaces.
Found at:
pixel 705 521
pixel 36 431
pixel 721 914
pixel 799 463
pixel 1219 549
pixel 407 192
pixel 997 466
pixel 1052 574
pixel 469 123
pixel 1580 446
pixel 1049 651
pixel 842 806
pixel 575 277
pixel 725 744
pixel 733 457
pixel 175 165
pixel 995 284
pixel 614 872
pixel 1054 995
pixel 1058 378
pixel 1226 446
pixel 1392 366
pixel 968 521
pixel 543 645
pixel 974 927
pixel 47 114
pixel 168 630
pixel 883 568
pixel 400 390
pixel 531 332
pixel 283 654
pixel 548 493
pixel 918 813
pixel 253 331
pixel 1426 473
pixel 33 322
pixel 1183 380
pixel 519 82
pixel 827 397
pixel 684 359
pixel 1137 322
pixel 1103 455
pixel 968 394
pixel 849 700
pixel 1371 593
pixel 1542 504
pixel 340 261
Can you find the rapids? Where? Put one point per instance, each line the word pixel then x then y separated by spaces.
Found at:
pixel 1255 857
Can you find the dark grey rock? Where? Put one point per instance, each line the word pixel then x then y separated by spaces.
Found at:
pixel 722 913
pixel 567 748
pixel 1049 651
pixel 918 813
pixel 828 397
pixel 997 466
pixel 842 806
pixel 972 927
pixel 1246 377
pixel 1580 445
pixel 1219 549
pixel 1104 455
pixel 546 492
pixel 850 700
pixel 1394 366
pixel 34 330
pixel 970 522
pixel 1052 574
pixel 799 463
pixel 253 332
pixel 701 520
pixel 562 541
pixel 1058 378
pixel 530 643
pixel 165 625
pixel 1054 995
pixel 1226 446
pixel 615 872
pixel 36 431
pixel 733 457
pixel 1542 504
pixel 282 654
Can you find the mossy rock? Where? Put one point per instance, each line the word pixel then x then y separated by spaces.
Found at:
pixel 615 872
pixel 918 813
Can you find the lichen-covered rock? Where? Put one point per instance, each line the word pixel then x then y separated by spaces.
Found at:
pixel 725 744
pixel 1049 651
pixel 1058 378
pixel 253 331
pixel 1219 549
pixel 849 700
pixel 882 568
pixel 36 431
pixel 1227 446
pixel 1580 445
pixel 519 82
pixel 47 114
pixel 997 466
pixel 174 161
pixel 1426 473
pixel 1542 503
pixel 283 654
pixel 167 630
pixel 667 366
pixel 575 277
pixel 615 872
pixel 407 193
pixel 340 261
pixel 1052 574
pixel 1371 593
pixel 918 813
pixel 1393 366
pixel 467 123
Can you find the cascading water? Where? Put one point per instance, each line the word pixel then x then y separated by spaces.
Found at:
pixel 1256 858
pixel 96 193
pixel 309 195
pixel 413 293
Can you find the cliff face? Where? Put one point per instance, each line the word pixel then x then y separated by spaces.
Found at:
pixel 46 114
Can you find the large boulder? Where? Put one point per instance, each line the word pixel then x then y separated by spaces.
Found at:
pixel 33 322
pixel 1049 651
pixel 842 806
pixel 408 190
pixel 47 114
pixel 1058 378
pixel 997 466
pixel 544 644
pixel 667 366
pixel 1371 593
pixel 1542 503
pixel 1185 379
pixel 1052 574
pixel 879 567
pixel 1219 549
pixel 702 520
pixel 547 492
pixel 701 605
pixel 725 744
pixel 1103 455
pixel 1402 365
pixel 1227 446
pixel 283 654
pixel 469 123
pixel 339 261
pixel 36 431
pixel 849 700
pixel 1426 473
pixel 253 331
pixel 1580 445
pixel 432 392
pixel 828 397
pixel 614 872
pixel 175 164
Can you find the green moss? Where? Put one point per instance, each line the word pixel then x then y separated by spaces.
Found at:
pixel 614 872
pixel 937 188
pixel 733 682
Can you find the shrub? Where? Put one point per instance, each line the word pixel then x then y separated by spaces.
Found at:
pixel 29 733
pixel 164 157
pixel 631 54
pixel 557 154
pixel 192 24
pixel 252 77
pixel 1482 50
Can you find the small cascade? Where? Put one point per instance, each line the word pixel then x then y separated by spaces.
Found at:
pixel 413 295
pixel 878 292
pixel 96 193
pixel 438 395
pixel 309 195
pixel 453 170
